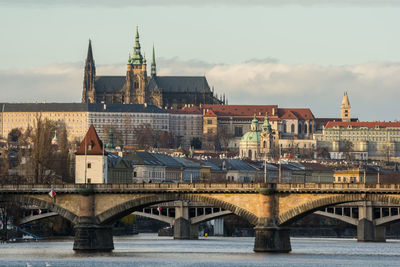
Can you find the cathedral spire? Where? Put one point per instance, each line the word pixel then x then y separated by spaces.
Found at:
pixel 88 93
pixel 136 58
pixel 89 52
pixel 153 64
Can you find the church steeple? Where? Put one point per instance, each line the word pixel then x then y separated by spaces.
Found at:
pixel 88 93
pixel 153 64
pixel 266 127
pixel 254 124
pixel 345 108
pixel 89 57
pixel 136 58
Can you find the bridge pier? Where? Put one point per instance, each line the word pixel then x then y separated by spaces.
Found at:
pixel 183 229
pixel 367 231
pixel 269 236
pixel 272 239
pixel 90 237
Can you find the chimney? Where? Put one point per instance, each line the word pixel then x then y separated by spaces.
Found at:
pixel 273 111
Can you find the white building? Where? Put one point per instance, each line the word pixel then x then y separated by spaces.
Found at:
pixel 91 160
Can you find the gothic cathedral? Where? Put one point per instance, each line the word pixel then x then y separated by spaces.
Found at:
pixel 139 88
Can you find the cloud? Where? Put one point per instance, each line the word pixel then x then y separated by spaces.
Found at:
pixel 373 88
pixel 196 3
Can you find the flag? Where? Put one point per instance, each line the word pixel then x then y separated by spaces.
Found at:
pixel 52 193
pixel 39 211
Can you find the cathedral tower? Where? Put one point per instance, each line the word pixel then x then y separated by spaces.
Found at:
pixel 136 76
pixel 89 93
pixel 345 108
pixel 153 64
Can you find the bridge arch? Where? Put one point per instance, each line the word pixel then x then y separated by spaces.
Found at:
pixel 302 210
pixel 73 218
pixel 127 207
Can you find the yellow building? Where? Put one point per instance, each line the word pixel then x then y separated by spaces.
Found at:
pixel 359 175
pixel 78 116
pixel 24 115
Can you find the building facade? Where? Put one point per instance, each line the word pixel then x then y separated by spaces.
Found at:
pixel 78 116
pixel 361 140
pixel 258 144
pixel 232 121
pixel 186 124
pixel 91 160
pixel 136 87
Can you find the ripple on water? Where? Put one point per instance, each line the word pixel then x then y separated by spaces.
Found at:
pixel 150 250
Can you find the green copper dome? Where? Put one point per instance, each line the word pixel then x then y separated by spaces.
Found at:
pixel 251 137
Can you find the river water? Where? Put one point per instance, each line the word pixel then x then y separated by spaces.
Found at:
pixel 151 250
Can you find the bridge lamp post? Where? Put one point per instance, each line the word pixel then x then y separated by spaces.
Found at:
pixel 265 170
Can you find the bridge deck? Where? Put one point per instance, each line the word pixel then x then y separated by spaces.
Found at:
pixel 206 188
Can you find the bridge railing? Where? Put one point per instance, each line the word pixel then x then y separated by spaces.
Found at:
pixel 200 186
pixel 337 186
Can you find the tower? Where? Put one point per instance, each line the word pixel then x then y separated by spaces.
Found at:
pixel 345 108
pixel 91 160
pixel 136 76
pixel 254 124
pixel 266 138
pixel 153 64
pixel 88 93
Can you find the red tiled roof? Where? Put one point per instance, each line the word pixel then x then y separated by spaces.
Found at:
pixel 366 124
pixel 260 110
pixel 92 139
pixel 296 113
pixel 241 110
pixel 210 113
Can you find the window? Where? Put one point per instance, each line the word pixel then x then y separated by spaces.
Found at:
pixel 238 131
pixel 292 128
pixel 89 180
pixel 209 121
pixel 89 165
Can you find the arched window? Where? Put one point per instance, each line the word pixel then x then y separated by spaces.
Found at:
pixel 310 127
pixel 264 144
pixel 250 154
pixel 299 129
pixel 284 127
pixel 292 128
pixel 305 128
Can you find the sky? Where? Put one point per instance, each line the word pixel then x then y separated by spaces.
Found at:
pixel 303 53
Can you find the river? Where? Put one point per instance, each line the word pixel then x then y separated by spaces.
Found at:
pixel 151 250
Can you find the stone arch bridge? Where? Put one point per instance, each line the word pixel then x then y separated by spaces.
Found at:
pixel 270 207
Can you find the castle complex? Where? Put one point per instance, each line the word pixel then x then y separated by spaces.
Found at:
pixel 139 88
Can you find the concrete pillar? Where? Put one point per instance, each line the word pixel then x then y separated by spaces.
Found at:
pixel 272 239
pixel 89 236
pixel 219 227
pixel 366 229
pixel 182 227
pixel 269 236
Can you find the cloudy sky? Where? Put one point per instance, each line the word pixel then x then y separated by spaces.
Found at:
pixel 294 53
